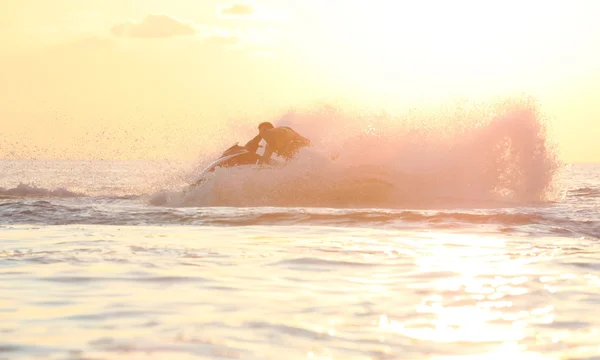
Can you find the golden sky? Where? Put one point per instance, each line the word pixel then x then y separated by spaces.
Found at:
pixel 154 78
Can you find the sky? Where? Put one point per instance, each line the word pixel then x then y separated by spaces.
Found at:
pixel 155 79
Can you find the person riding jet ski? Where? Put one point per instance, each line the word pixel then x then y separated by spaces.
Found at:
pixel 281 140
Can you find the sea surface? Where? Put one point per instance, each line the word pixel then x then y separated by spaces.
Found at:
pixel 457 236
pixel 97 263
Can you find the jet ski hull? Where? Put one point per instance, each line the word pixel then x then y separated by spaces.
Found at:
pixel 234 156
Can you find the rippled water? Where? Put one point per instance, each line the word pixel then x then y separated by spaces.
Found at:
pixel 91 269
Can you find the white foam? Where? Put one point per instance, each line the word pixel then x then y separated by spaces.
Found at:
pixel 482 153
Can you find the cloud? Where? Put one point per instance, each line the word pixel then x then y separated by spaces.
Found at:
pixel 238 9
pixel 219 36
pixel 154 26
pixel 162 26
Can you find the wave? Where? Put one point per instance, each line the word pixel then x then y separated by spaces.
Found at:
pixel 585 192
pixel 529 221
pixel 470 154
pixel 28 190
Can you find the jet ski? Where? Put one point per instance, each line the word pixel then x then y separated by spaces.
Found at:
pixel 236 155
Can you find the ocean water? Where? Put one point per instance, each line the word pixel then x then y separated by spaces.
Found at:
pixel 482 247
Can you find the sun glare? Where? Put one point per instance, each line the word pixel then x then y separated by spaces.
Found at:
pixel 473 303
pixel 456 45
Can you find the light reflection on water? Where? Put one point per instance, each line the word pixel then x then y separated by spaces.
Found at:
pixel 294 292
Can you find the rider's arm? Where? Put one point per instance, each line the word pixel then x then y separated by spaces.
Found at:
pixel 267 154
pixel 252 145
